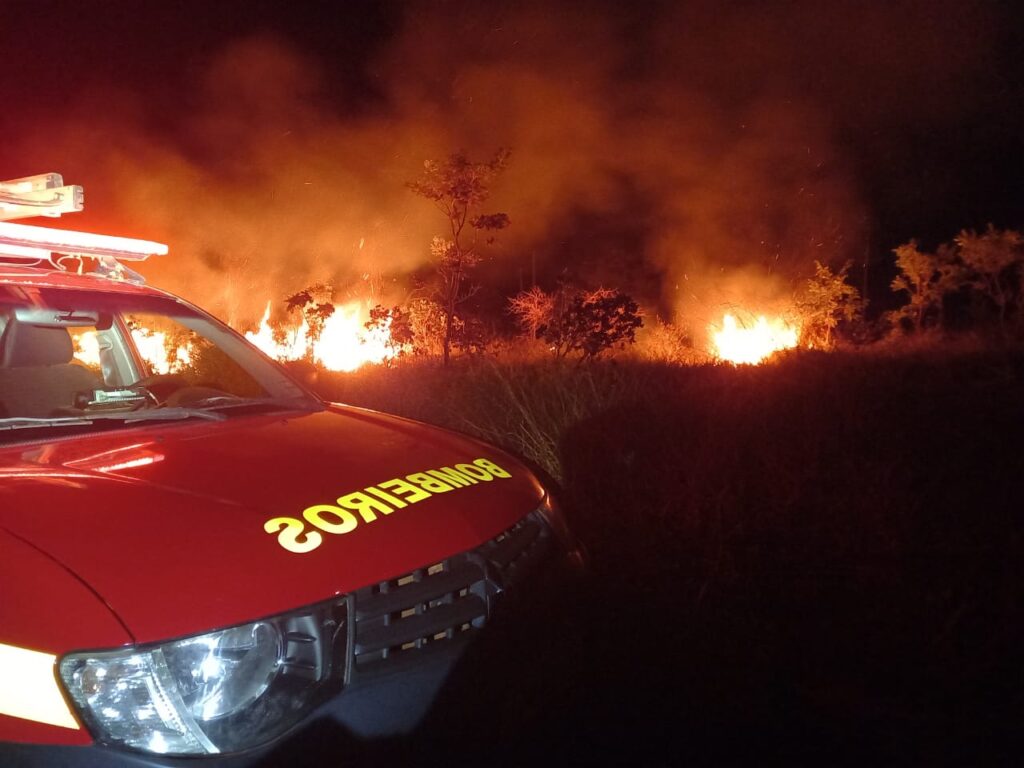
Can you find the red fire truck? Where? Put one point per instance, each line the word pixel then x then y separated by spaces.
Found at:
pixel 200 559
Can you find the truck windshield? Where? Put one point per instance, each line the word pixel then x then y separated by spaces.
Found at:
pixel 74 360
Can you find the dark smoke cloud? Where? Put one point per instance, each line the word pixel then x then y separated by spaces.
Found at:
pixel 700 155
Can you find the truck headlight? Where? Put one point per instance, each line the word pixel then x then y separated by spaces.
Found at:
pixel 223 691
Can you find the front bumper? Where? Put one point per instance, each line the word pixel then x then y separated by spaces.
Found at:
pixel 406 642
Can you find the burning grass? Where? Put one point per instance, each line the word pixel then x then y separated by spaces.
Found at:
pixel 816 557
pixel 341 343
pixel 754 343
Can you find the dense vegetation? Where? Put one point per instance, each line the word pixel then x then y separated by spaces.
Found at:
pixel 974 283
pixel 816 559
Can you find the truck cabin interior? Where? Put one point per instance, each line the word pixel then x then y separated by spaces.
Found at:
pixel 38 375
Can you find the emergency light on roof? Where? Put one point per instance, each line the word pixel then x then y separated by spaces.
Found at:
pixel 46 195
pixel 75 243
pixel 42 195
pixel 20 252
pixel 31 183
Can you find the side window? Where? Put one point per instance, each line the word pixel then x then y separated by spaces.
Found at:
pixel 168 347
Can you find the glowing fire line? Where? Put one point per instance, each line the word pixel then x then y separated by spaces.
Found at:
pixel 753 345
pixel 344 344
pixel 152 346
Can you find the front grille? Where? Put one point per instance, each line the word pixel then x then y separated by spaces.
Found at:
pixel 444 600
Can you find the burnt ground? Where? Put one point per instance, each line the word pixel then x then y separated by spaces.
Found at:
pixel 818 561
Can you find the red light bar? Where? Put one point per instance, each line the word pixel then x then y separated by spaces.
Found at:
pixel 78 243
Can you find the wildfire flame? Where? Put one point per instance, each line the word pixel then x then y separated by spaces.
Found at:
pixel 152 345
pixel 154 349
pixel 292 347
pixel 753 345
pixel 344 343
pixel 87 349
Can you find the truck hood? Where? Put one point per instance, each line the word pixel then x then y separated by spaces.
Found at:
pixel 166 522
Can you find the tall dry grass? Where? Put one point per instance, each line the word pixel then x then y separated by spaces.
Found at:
pixel 825 549
pixel 713 450
pixel 525 407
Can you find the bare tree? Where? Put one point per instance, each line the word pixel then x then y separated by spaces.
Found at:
pixel 532 308
pixel 458 187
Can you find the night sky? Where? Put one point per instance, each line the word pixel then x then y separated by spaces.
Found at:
pixel 694 153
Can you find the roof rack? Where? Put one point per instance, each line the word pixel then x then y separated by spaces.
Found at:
pixel 46 195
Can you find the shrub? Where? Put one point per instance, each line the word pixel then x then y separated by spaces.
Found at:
pixel 574 321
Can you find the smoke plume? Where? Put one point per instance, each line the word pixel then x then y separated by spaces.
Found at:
pixel 697 155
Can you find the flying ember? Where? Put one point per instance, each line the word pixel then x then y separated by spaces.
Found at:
pixel 752 345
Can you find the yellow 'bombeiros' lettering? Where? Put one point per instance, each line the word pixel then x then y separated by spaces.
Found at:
pixel 291 534
pixel 428 483
pixel 315 515
pixel 411 492
pixel 384 498
pixel 491 467
pixel 474 471
pixel 453 476
pixel 365 505
pixel 394 501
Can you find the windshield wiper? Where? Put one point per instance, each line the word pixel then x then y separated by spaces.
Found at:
pixel 127 417
pixel 296 404
pixel 167 414
pixel 24 422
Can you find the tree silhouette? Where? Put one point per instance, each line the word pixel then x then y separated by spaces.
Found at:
pixel 458 187
pixel 575 321
pixel 315 305
pixel 395 326
pixel 994 259
pixel 926 278
pixel 827 299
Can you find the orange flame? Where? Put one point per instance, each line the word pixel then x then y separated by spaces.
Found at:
pixel 154 349
pixel 87 349
pixel 152 345
pixel 344 344
pixel 753 345
pixel 293 346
